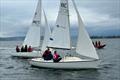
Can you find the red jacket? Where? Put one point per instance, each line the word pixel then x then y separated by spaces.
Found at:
pixel 55 56
pixel 46 53
pixel 30 49
pixel 17 49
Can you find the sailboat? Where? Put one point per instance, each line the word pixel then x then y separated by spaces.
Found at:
pixel 98 45
pixel 33 37
pixel 60 39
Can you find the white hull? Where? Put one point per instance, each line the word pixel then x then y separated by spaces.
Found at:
pixel 66 63
pixel 34 54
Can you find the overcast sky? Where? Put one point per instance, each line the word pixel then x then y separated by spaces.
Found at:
pixel 101 17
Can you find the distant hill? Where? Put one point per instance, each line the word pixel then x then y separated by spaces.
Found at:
pixel 22 38
pixel 105 37
pixel 12 38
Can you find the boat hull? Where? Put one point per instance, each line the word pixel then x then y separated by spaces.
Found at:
pixel 34 54
pixel 77 64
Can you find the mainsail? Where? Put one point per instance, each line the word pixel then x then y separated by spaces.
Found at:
pixel 61 33
pixel 33 35
pixel 84 45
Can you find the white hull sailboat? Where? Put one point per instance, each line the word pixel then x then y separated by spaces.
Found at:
pixel 60 39
pixel 66 63
pixel 33 37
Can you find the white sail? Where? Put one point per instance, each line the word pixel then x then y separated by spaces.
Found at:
pixel 33 35
pixel 46 35
pixel 61 34
pixel 84 45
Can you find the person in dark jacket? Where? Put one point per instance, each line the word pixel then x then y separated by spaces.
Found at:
pixel 26 48
pixel 47 55
pixel 99 43
pixel 96 44
pixel 22 49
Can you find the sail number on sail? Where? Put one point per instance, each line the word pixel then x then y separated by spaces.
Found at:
pixel 36 22
pixel 64 5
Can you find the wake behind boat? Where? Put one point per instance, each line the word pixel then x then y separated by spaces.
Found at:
pixel 60 39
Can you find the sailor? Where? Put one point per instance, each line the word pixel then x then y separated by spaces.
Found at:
pixel 17 49
pixel 22 49
pixel 99 43
pixel 30 49
pixel 47 55
pixel 26 48
pixel 56 57
pixel 96 44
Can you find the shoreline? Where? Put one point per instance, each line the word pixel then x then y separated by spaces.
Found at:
pixel 22 38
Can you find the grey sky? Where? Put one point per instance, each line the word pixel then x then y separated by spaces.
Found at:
pixel 98 15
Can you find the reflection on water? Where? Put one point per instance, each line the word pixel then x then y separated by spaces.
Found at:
pixel 20 69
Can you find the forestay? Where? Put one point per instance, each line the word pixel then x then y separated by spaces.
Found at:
pixel 33 35
pixel 61 33
pixel 84 44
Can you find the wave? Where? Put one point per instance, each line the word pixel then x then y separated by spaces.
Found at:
pixel 6 48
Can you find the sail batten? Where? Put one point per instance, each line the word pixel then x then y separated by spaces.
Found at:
pixel 60 37
pixel 84 44
pixel 31 38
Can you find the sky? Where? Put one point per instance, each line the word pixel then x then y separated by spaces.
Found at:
pixel 101 17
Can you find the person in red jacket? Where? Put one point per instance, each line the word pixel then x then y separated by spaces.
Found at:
pixel 30 49
pixel 17 49
pixel 56 57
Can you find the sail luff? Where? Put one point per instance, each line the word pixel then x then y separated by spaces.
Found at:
pixel 84 44
pixel 31 38
pixel 61 34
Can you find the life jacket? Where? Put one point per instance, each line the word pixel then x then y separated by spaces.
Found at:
pixel 46 53
pixel 17 49
pixel 30 49
pixel 55 56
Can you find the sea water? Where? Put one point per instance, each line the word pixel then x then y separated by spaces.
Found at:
pixel 20 69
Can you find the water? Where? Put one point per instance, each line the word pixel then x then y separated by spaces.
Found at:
pixel 20 69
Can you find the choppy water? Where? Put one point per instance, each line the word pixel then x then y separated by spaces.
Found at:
pixel 19 69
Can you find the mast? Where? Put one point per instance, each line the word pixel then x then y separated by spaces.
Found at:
pixel 84 44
